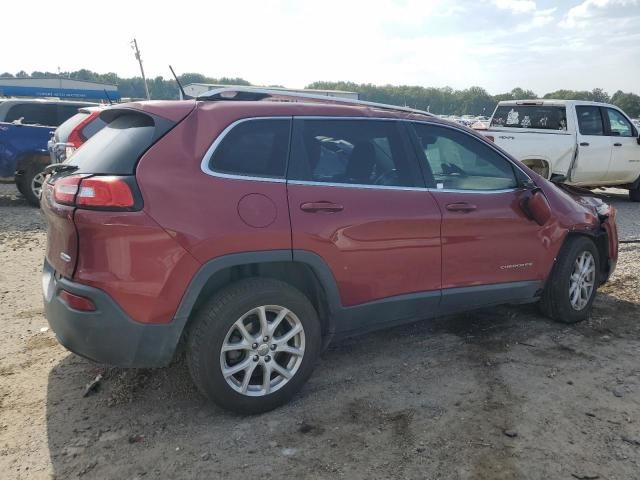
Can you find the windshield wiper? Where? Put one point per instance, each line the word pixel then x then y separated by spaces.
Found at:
pixel 59 167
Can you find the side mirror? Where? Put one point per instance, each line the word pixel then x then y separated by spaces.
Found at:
pixel 536 207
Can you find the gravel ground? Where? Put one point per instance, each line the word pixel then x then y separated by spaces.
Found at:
pixel 494 394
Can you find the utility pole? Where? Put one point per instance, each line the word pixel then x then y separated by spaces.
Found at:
pixel 134 45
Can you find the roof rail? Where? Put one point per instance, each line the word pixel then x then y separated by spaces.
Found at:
pixel 253 94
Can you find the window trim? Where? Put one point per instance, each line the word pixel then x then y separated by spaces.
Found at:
pixel 206 159
pixel 607 122
pixel 204 164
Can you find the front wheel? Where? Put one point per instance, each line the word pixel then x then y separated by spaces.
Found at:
pixel 253 345
pixel 571 288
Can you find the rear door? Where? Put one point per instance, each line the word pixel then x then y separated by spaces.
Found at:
pixel 491 252
pixel 594 148
pixel 625 151
pixel 358 200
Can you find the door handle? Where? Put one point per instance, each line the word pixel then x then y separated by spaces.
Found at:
pixel 617 144
pixel 313 207
pixel 461 207
pixel 584 144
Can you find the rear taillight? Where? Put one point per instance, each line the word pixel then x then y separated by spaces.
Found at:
pixel 76 138
pixel 66 188
pixel 77 302
pixel 104 192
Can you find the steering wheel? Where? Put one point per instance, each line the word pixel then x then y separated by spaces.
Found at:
pixel 452 169
pixel 386 176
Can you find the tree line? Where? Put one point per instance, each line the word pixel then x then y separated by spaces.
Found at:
pixel 443 100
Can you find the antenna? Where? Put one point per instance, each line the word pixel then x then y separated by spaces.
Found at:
pixel 134 46
pixel 183 95
pixel 107 95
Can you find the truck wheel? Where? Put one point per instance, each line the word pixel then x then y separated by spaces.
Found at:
pixel 30 182
pixel 571 288
pixel 253 345
pixel 634 194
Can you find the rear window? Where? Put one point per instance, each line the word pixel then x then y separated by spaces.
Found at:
pixel 545 117
pixel 47 114
pixel 115 149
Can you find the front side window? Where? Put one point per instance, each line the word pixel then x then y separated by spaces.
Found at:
pixel 544 117
pixel 590 120
pixel 255 148
pixel 620 126
pixel 458 161
pixel 357 152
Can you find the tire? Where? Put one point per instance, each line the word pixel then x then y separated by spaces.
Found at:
pixel 216 324
pixel 634 194
pixel 27 180
pixel 556 302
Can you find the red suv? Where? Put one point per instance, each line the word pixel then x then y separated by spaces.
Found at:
pixel 253 227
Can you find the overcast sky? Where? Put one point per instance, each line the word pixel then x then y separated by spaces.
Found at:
pixel 542 45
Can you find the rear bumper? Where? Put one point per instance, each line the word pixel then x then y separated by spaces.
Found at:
pixel 106 335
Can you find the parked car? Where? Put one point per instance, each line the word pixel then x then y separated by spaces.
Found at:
pixel 69 136
pixel 25 126
pixel 253 232
pixel 579 143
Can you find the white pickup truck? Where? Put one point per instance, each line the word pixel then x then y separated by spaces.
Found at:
pixel 580 143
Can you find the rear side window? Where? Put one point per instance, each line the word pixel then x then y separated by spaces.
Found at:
pixel 357 152
pixel 115 149
pixel 458 161
pixel 590 120
pixel 33 114
pixel 254 148
pixel 543 117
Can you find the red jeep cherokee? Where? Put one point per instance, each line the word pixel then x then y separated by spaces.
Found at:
pixel 256 226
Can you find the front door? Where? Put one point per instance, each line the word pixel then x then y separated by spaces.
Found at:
pixel 625 152
pixel 357 199
pixel 491 252
pixel 594 148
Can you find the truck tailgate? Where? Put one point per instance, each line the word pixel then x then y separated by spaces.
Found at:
pixel 556 148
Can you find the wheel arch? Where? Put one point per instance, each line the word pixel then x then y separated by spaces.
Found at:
pixel 601 241
pixel 304 271
pixel 34 156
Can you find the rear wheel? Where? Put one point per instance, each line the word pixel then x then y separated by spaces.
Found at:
pixel 30 182
pixel 571 288
pixel 253 345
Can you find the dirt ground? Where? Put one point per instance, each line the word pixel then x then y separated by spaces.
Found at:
pixel 494 394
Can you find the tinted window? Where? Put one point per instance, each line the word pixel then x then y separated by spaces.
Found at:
pixel 590 120
pixel 33 114
pixel 93 127
pixel 116 148
pixel 619 125
pixel 543 117
pixel 362 152
pixel 65 112
pixel 458 161
pixel 255 148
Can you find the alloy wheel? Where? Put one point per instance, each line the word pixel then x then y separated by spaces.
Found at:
pixel 262 350
pixel 582 280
